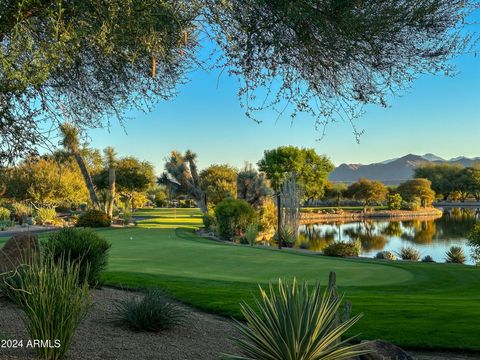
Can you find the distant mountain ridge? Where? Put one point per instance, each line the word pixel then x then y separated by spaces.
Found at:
pixel 393 171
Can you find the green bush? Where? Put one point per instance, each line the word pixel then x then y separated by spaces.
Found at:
pixel 84 246
pixel 428 259
pixel 343 249
pixel 455 255
pixel 53 302
pixel 474 243
pixel 410 206
pixel 386 255
pixel 233 217
pixel 289 236
pixel 294 323
pixel 409 253
pixel 21 211
pixel 94 218
pixel 153 312
pixel 4 214
pixel 394 201
pixel 209 219
pixel 46 215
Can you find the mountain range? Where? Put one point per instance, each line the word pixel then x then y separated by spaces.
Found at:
pixel 393 171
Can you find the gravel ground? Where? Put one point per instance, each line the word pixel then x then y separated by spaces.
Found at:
pixel 100 337
pixel 204 336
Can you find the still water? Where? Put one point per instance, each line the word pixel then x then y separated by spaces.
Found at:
pixel 430 237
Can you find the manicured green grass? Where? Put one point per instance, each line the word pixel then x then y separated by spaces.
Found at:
pixel 414 305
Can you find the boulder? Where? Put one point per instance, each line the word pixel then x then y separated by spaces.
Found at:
pixel 383 350
pixel 21 248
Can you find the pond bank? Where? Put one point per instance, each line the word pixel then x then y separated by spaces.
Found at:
pixel 391 215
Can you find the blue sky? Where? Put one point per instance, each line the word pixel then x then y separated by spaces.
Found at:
pixel 437 114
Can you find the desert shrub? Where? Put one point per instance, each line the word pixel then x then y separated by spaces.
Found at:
pixel 474 243
pixel 251 233
pixel 394 201
pixel 455 255
pixel 152 312
pixel 428 259
pixel 267 216
pixel 410 206
pixel 45 215
pixel 53 302
pixel 94 218
pixel 289 236
pixel 209 219
pixel 233 217
pixel 304 244
pixel 126 217
pixel 276 328
pixel 84 246
pixel 21 211
pixel 409 253
pixel 4 214
pixel 386 255
pixel 343 249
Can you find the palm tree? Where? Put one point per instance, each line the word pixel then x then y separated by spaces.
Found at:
pixel 71 143
pixel 110 162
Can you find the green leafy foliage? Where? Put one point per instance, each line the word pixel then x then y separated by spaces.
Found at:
pixel 343 249
pixel 53 300
pixel 409 253
pixel 385 255
pixel 474 243
pixel 152 312
pixel 253 186
pixel 219 182
pixel 292 322
pixel 455 255
pixel 45 215
pixel 394 201
pixel 209 219
pixel 233 217
pixel 368 191
pixel 417 190
pixel 83 246
pixel 94 218
pixel 4 214
pixel 251 233
pixel 311 170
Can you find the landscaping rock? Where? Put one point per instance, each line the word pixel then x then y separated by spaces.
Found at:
pixel 20 247
pixel 383 350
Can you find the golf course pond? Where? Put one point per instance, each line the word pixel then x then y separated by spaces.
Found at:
pixel 430 236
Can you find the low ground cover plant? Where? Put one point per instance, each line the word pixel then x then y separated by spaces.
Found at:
pixel 84 246
pixel 54 301
pixel 94 218
pixel 409 253
pixel 428 259
pixel 455 255
pixel 276 328
pixel 386 255
pixel 343 249
pixel 152 312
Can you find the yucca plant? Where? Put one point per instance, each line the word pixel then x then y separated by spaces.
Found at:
pixel 295 324
pixel 455 255
pixel 53 303
pixel 409 253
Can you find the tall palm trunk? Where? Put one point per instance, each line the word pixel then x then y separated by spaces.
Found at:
pixel 88 179
pixel 111 184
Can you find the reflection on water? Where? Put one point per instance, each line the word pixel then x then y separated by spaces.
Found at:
pixel 431 237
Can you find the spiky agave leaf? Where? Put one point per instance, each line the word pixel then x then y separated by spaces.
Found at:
pixel 293 323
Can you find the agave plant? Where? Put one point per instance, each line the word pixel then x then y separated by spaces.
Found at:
pixel 294 323
pixel 455 255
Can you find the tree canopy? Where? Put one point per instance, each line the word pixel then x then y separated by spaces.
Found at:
pixel 219 182
pixel 311 169
pixel 417 190
pixel 368 191
pixel 88 61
